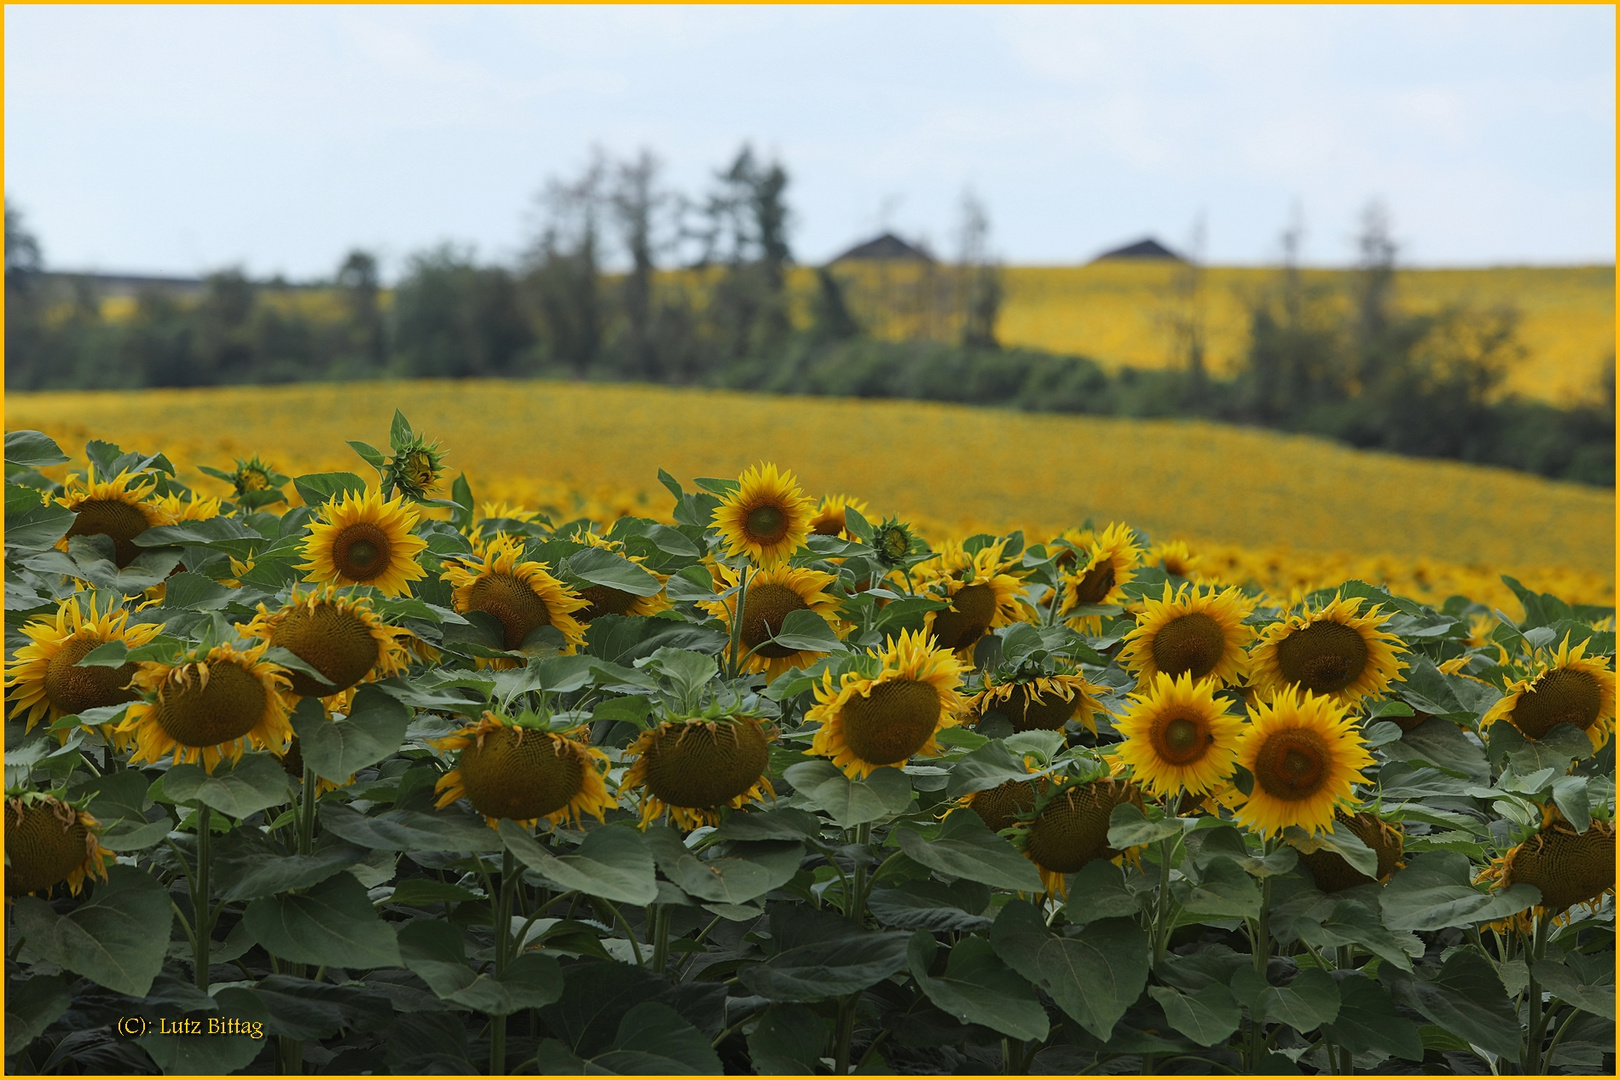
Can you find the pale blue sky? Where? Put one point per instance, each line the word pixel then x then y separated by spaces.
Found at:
pixel 188 138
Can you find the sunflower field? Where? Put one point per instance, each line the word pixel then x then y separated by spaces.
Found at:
pixel 351 771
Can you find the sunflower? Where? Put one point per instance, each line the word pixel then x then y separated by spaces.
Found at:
pixel 1002 806
pixel 44 679
pixel 175 509
pixel 689 769
pixel 49 841
pixel 362 540
pixel 1178 734
pixel 1194 631
pixel 117 509
pixel 292 763
pixel 1039 703
pixel 523 596
pixel 1570 688
pixel 767 517
pixel 774 593
pixel 829 515
pixel 1069 827
pixel 1568 867
pixel 983 594
pixel 1331 652
pixel 1111 560
pixel 1174 557
pixel 867 723
pixel 605 600
pixel 509 769
pixel 337 635
pixel 1330 869
pixel 1304 753
pixel 210 709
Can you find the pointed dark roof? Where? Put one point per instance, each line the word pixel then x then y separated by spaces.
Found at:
pixel 887 246
pixel 1145 248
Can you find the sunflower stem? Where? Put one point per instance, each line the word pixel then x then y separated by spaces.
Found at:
pixel 199 897
pixel 660 937
pixel 1161 916
pixel 1536 949
pixel 846 1033
pixel 503 951
pixel 735 667
pixel 306 813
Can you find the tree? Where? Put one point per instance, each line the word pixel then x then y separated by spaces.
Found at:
pixel 745 230
pixel 562 271
pixel 361 288
pixel 981 285
pixel 455 319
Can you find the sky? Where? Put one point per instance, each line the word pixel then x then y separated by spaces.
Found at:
pixel 185 139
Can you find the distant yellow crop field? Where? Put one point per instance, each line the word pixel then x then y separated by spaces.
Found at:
pixel 1289 511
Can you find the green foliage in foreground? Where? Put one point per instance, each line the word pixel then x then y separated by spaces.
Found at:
pixel 844 927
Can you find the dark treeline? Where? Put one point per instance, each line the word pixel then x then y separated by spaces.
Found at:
pixel 624 278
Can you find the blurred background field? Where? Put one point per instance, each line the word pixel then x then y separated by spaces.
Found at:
pixel 1288 511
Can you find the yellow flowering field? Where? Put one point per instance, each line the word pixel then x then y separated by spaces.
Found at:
pixel 1289 512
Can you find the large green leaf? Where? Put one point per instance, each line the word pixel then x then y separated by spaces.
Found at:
pixel 332 923
pixel 926 904
pixel 779 823
pixel 305 1009
pixel 966 848
pixel 317 488
pixel 612 863
pixel 1128 827
pixel 437 952
pixel 1097 891
pixel 1353 923
pixel 338 748
pixel 602 567
pixel 746 871
pixel 1565 982
pixel 1554 750
pixel 1442 744
pixel 805 630
pixel 1226 891
pixel 256 871
pixel 203 1050
pixel 32 449
pixel 1435 891
pixel 821 785
pixel 120 803
pixel 1367 1021
pixel 256 782
pixel 1305 1004
pixel 654 1039
pixel 977 988
pixel 830 968
pixel 1206 1017
pixel 1093 978
pixel 1465 997
pixel 409 830
pixel 788 1040
pixel 33 525
pixel 116 938
pixel 31 1006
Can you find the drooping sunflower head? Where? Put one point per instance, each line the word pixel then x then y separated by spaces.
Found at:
pixel 1043 702
pixel 1069 827
pixel 1568 688
pixel 1333 873
pixel 210 708
pixel 688 769
pixel 869 721
pixel 1568 867
pixel 1305 754
pixel 521 594
pixel 1002 806
pixel 1197 632
pixel 774 593
pixel 516 769
pixel 1178 734
pixel 339 636
pixel 48 842
pixel 1111 561
pixel 44 680
pixel 364 540
pixel 606 600
pixel 829 516
pixel 1332 652
pixel 767 518
pixel 1175 557
pixel 117 509
pixel 980 587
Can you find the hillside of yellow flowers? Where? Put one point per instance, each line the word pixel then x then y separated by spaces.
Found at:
pixel 1287 512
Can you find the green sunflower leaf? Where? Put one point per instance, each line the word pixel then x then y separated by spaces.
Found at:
pixel 964 847
pixel 1093 977
pixel 978 988
pixel 331 923
pixel 255 783
pixel 116 938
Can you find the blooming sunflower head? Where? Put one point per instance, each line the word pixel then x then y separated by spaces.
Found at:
pixel 773 594
pixel 1332 652
pixel 1042 701
pixel 44 679
pixel 767 518
pixel 117 509
pixel 49 841
pixel 1193 631
pixel 1179 735
pixel 1568 688
pixel 1175 557
pixel 1333 873
pixel 514 768
pixel 1305 755
pixel 176 509
pixel 1568 867
pixel 828 519
pixel 365 540
pixel 872 720
pixel 209 708
pixel 521 594
pixel 1069 826
pixel 688 769
pixel 982 591
pixel 339 636
pixel 606 600
pixel 1111 561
